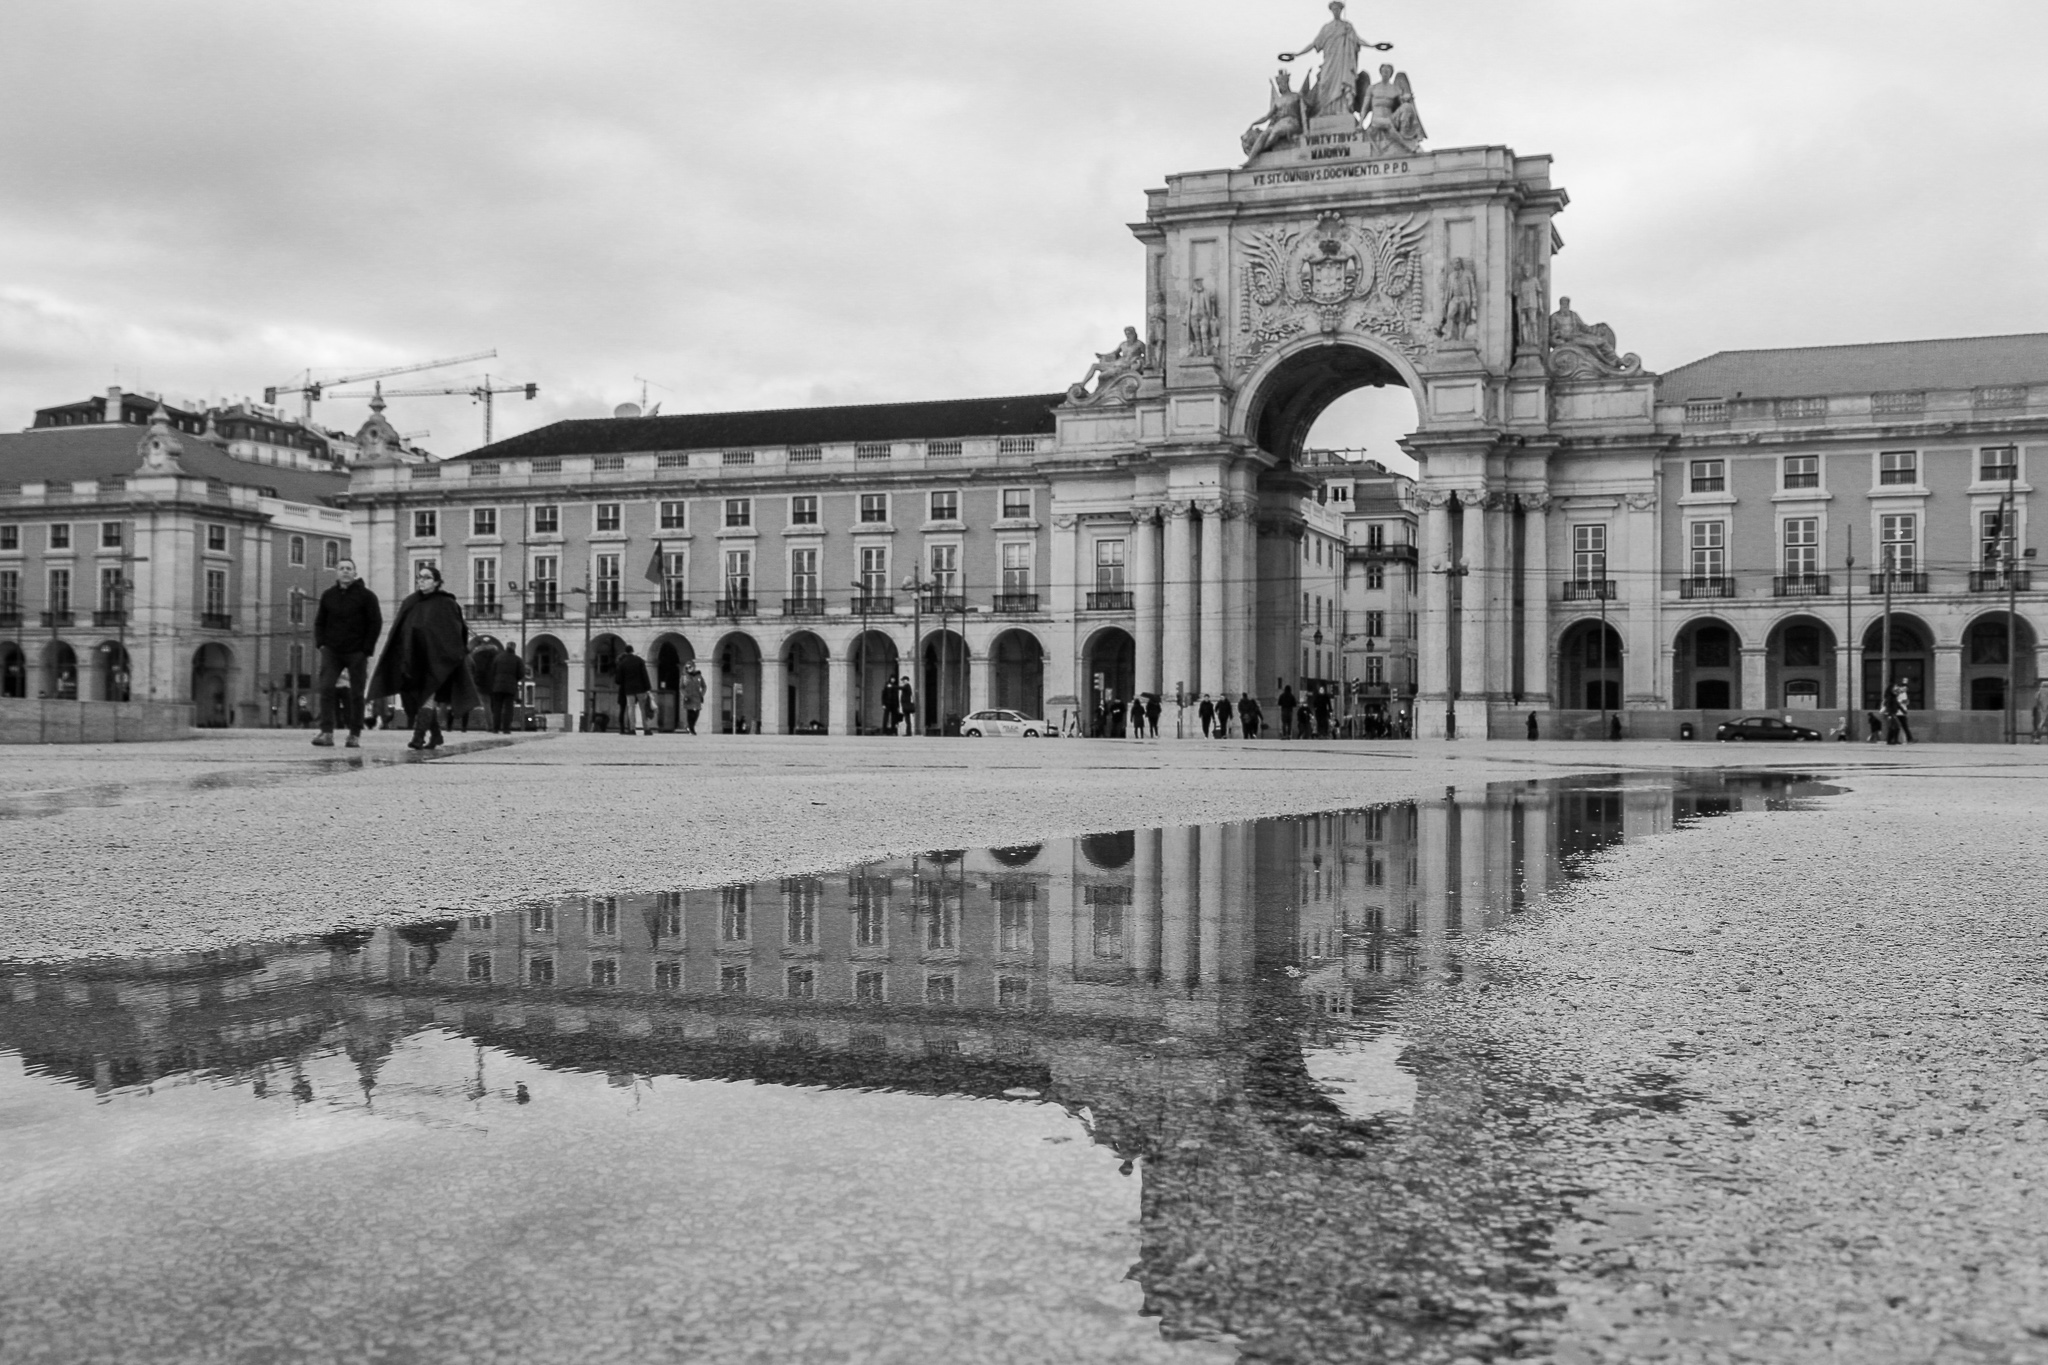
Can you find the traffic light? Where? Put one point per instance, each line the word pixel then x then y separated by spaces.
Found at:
pixel 532 389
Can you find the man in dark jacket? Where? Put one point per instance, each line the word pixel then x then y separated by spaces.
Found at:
pixel 693 697
pixel 630 672
pixel 1286 711
pixel 507 672
pixel 345 630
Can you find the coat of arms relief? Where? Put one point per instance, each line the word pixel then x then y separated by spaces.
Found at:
pixel 1331 277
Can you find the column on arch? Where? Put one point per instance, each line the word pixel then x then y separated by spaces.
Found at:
pixel 1536 599
pixel 1064 581
pixel 1248 593
pixel 1478 593
pixel 1238 572
pixel 1145 595
pixel 1177 599
pixel 1211 629
pixel 1636 580
pixel 1434 663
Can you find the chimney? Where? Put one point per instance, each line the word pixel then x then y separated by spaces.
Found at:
pixel 114 404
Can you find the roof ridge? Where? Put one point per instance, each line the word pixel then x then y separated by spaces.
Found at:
pixel 824 407
pixel 1859 346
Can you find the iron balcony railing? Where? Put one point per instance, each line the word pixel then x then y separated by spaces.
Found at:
pixel 736 606
pixel 1589 590
pixel 1013 603
pixel 944 603
pixel 1800 585
pixel 1901 582
pixel 58 618
pixel 486 611
pixel 10 618
pixel 608 610
pixel 116 617
pixel 670 607
pixel 1996 580
pixel 544 611
pixel 216 620
pixel 873 605
pixel 803 606
pixel 1693 589
pixel 1109 601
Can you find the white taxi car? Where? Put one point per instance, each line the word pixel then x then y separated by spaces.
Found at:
pixel 1000 722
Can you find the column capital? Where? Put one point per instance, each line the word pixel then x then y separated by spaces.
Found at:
pixel 1177 509
pixel 1209 507
pixel 1640 502
pixel 1535 502
pixel 1430 499
pixel 1146 515
pixel 1064 521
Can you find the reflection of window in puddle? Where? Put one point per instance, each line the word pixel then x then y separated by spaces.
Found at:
pixel 801 984
pixel 668 915
pixel 604 916
pixel 870 988
pixel 668 975
pixel 938 990
pixel 1013 992
pixel 1106 907
pixel 482 922
pixel 540 919
pixel 734 906
pixel 604 971
pixel 1364 1076
pixel 800 897
pixel 480 968
pixel 732 980
pixel 540 971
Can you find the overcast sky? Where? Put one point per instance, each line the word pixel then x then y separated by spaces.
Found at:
pixel 764 205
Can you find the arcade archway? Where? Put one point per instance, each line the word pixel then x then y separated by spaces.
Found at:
pixel 873 660
pixel 1912 659
pixel 111 671
pixel 806 682
pixel 213 667
pixel 1706 666
pixel 13 671
pixel 671 655
pixel 1799 665
pixel 60 671
pixel 600 679
pixel 1287 395
pixel 1109 667
pixel 1589 666
pixel 738 662
pixel 547 669
pixel 1985 652
pixel 1016 663
pixel 943 698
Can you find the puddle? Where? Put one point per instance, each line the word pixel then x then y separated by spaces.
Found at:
pixel 1136 1096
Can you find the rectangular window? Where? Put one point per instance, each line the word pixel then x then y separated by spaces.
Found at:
pixel 874 570
pixel 60 589
pixel 1996 464
pixel 1589 554
pixel 540 919
pixel 739 512
pixel 1993 530
pixel 60 535
pixel 1375 669
pixel 546 588
pixel 298 607
pixel 800 896
pixel 803 510
pixel 1017 503
pixel 110 539
pixel 604 971
pixel 938 990
pixel 945 505
pixel 674 515
pixel 606 594
pixel 803 574
pixel 1013 992
pixel 480 968
pixel 1709 476
pixel 735 903
pixel 1376 624
pixel 216 592
pixel 606 517
pixel 675 580
pixel 874 507
pixel 540 971
pixel 216 539
pixel 1898 536
pixel 1898 466
pixel 1802 471
pixel 483 521
pixel 1017 567
pixel 10 590
pixel 483 582
pixel 1375 575
pixel 870 911
pixel 426 524
pixel 732 980
pixel 870 988
pixel 112 587
pixel 1109 566
pixel 1802 547
pixel 802 983
pixel 945 570
pixel 331 555
pixel 739 575
pixel 668 975
pixel 1709 544
pixel 547 519
pixel 1013 921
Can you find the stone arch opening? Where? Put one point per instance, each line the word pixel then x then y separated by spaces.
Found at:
pixel 13 670
pixel 1017 673
pixel 601 679
pixel 1799 665
pixel 547 671
pixel 1284 397
pixel 669 656
pixel 1706 665
pixel 1111 849
pixel 942 696
pixel 806 680
pixel 1985 651
pixel 60 671
pixel 112 671
pixel 1109 670
pixel 213 667
pixel 1912 660
pixel 873 660
pixel 738 662
pixel 1589 664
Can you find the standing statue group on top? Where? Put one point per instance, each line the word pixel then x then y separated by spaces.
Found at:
pixel 1386 106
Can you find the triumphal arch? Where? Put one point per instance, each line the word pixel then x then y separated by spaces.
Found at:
pixel 1347 251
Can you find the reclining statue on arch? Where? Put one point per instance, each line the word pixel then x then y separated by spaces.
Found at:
pixel 1118 373
pixel 1286 115
pixel 1579 348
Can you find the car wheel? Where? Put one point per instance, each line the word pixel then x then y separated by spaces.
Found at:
pixel 1031 734
pixel 971 734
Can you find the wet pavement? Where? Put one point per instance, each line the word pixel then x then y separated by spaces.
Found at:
pixel 1179 1094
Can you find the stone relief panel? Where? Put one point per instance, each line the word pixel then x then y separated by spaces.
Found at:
pixel 1330 276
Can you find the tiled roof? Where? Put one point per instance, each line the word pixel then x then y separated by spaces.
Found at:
pixel 946 419
pixel 109 452
pixel 1875 367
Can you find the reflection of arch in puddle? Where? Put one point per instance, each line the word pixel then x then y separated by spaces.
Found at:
pixel 1110 851
pixel 1016 855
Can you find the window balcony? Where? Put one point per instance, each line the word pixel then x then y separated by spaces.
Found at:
pixel 610 609
pixel 1698 589
pixel 945 604
pixel 486 611
pixel 1589 590
pixel 10 619
pixel 544 611
pixel 1901 582
pixel 210 620
pixel 873 605
pixel 110 618
pixel 803 606
pixel 1016 603
pixel 1800 585
pixel 736 606
pixel 1109 601
pixel 53 619
pixel 1995 580
pixel 670 608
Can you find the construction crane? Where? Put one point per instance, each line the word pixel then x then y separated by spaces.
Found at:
pixel 481 393
pixel 310 390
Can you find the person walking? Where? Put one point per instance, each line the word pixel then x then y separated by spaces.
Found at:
pixel 1903 727
pixel 1287 705
pixel 425 659
pixel 1223 711
pixel 630 673
pixel 1532 725
pixel 2040 710
pixel 693 697
pixel 1152 713
pixel 507 672
pixel 1249 717
pixel 345 629
pixel 1137 726
pixel 1207 712
pixel 480 660
pixel 906 702
pixel 891 714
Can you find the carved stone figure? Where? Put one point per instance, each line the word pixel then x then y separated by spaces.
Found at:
pixel 1336 80
pixel 1392 125
pixel 1117 372
pixel 1579 349
pixel 1155 331
pixel 1460 311
pixel 1286 116
pixel 1334 275
pixel 1529 328
pixel 1202 321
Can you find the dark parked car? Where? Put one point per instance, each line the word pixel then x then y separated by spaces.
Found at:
pixel 1766 728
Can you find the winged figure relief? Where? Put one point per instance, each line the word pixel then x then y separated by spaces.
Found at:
pixel 1397 252
pixel 1267 257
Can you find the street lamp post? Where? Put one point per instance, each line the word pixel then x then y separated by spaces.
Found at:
pixel 914 584
pixel 589 664
pixel 860 658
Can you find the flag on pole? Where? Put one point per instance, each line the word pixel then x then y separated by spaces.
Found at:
pixel 655 566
